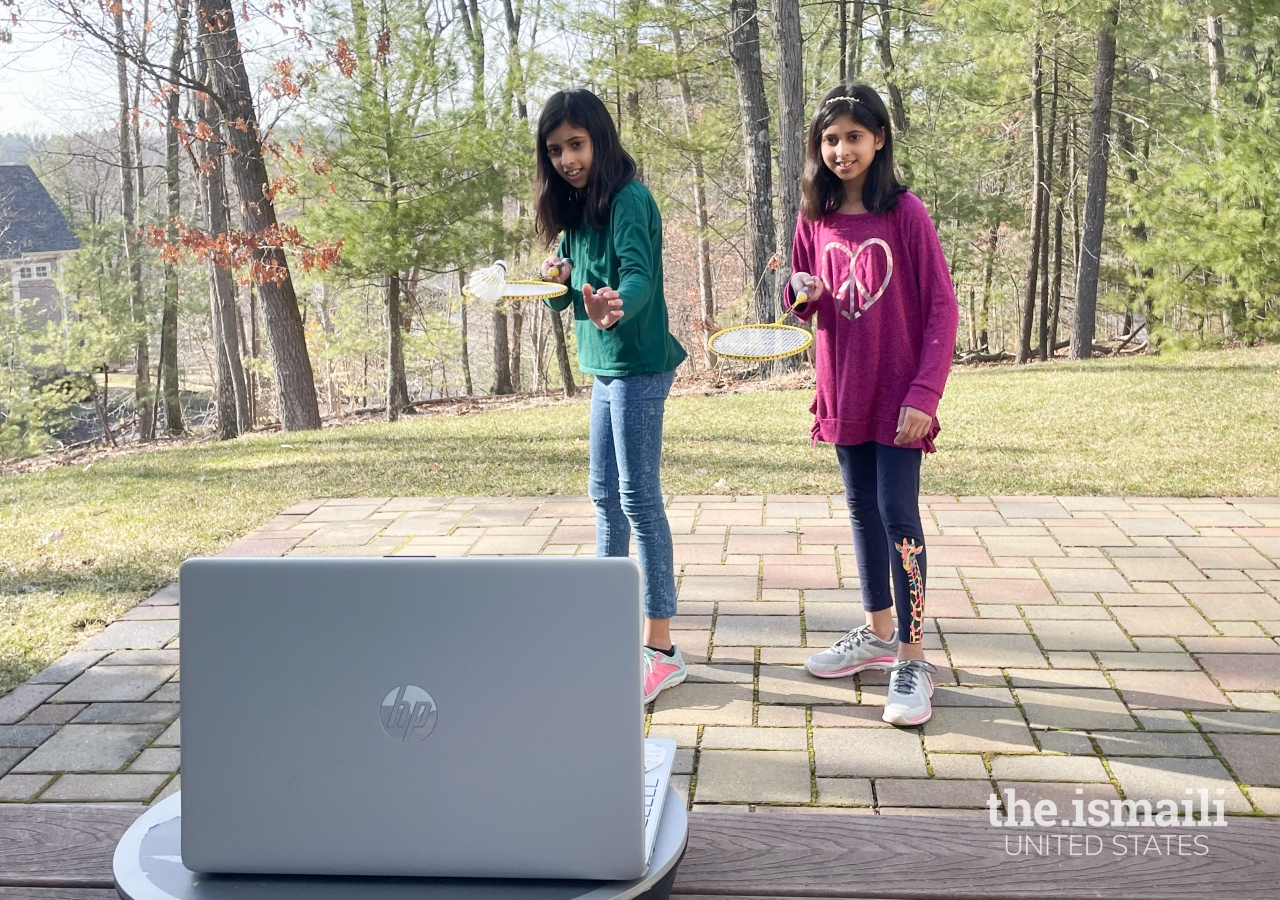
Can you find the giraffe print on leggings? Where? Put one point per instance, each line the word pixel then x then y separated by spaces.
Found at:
pixel 909 550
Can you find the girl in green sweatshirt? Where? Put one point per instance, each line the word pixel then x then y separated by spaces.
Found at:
pixel 610 256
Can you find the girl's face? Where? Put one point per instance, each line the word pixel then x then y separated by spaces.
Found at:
pixel 569 149
pixel 848 147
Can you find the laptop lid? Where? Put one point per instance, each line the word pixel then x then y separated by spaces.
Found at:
pixel 412 716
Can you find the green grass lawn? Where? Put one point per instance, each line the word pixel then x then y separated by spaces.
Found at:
pixel 1184 425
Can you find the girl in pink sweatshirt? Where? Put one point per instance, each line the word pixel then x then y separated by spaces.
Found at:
pixel 867 263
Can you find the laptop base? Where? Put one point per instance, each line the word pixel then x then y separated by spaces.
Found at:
pixel 148 866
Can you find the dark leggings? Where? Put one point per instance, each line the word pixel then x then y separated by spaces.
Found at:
pixel 882 486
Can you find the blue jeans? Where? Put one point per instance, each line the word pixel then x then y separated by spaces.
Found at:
pixel 882 486
pixel 626 453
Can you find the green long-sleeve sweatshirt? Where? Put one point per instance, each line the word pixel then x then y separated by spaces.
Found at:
pixel 626 256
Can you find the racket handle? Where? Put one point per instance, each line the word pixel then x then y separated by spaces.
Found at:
pixel 802 300
pixel 554 271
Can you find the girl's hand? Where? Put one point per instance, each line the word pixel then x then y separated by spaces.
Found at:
pixel 556 269
pixel 913 425
pixel 604 307
pixel 802 283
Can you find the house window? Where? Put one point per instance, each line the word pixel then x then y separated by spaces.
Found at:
pixel 35 270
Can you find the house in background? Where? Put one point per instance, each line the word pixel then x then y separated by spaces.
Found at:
pixel 34 240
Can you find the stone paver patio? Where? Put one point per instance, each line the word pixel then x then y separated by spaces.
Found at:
pixel 1094 647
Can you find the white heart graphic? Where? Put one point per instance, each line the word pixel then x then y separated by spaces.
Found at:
pixel 863 299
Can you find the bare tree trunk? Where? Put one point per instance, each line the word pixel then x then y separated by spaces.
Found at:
pixel 1055 299
pixel 234 415
pixel 466 353
pixel 1046 193
pixel 132 248
pixel 298 406
pixel 897 107
pixel 1095 198
pixel 140 182
pixel 1138 231
pixel 630 33
pixel 517 335
pixel 988 272
pixel 255 351
pixel 973 320
pixel 744 49
pixel 169 324
pixel 333 397
pixel 472 28
pixel 250 383
pixel 706 295
pixel 790 60
pixel 562 355
pixel 169 361
pixel 859 15
pixel 843 25
pixel 99 405
pixel 543 332
pixel 397 392
pixel 1217 75
pixel 1037 182
pixel 514 14
pixel 1075 209
pixel 501 352
pixel 537 341
pixel 473 31
pixel 1217 63
pixel 397 384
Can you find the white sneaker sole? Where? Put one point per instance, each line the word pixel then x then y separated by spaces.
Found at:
pixel 664 685
pixel 906 721
pixel 883 663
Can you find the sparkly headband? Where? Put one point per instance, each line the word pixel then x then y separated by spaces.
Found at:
pixel 849 98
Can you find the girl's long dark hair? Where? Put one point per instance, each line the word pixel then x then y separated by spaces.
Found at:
pixel 822 190
pixel 560 206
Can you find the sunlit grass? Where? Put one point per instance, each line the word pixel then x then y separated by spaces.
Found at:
pixel 1193 424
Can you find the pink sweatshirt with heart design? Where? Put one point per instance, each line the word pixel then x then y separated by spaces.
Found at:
pixel 886 320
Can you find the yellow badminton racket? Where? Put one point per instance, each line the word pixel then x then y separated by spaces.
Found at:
pixel 765 341
pixel 527 290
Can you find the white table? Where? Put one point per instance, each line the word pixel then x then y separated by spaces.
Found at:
pixel 148 866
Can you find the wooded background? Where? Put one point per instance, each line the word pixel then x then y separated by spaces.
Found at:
pixel 283 223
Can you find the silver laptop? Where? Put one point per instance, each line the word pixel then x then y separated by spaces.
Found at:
pixel 416 716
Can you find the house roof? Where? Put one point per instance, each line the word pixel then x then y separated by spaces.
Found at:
pixel 30 222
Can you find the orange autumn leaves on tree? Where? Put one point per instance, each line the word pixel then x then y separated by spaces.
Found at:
pixel 283 83
pixel 249 252
pixel 344 57
pixel 242 250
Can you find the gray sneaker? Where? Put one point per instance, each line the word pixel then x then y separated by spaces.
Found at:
pixel 859 649
pixel 910 687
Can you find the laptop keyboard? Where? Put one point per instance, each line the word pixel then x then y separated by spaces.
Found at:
pixel 650 794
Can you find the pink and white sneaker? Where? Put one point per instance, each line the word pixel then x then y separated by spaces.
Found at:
pixel 910 690
pixel 662 671
pixel 859 649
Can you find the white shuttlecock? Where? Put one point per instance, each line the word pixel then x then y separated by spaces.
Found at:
pixel 489 283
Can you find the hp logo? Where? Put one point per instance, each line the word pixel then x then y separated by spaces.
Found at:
pixel 408 714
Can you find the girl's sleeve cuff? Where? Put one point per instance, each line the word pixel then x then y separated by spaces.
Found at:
pixel 923 398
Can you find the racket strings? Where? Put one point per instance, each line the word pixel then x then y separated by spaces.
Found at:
pixel 760 342
pixel 529 290
pixel 533 290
